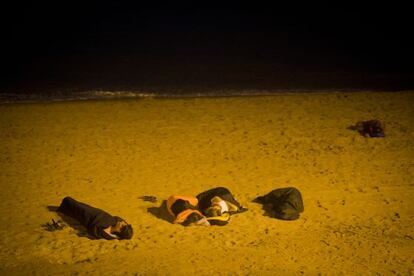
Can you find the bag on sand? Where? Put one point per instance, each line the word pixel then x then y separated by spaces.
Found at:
pixel 286 203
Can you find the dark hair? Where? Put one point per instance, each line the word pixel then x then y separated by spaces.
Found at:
pixel 193 217
pixel 181 205
pixel 126 232
pixel 212 212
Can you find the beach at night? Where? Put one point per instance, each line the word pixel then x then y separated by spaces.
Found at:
pixel 110 101
pixel 357 191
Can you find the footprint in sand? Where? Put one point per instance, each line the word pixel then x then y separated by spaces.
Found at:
pixel 320 205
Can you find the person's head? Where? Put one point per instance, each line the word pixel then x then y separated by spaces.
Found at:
pixel 213 211
pixel 123 230
pixel 126 232
pixel 196 219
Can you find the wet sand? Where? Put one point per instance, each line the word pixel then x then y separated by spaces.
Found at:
pixel 357 191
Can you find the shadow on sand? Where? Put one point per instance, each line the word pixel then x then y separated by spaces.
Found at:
pixel 267 208
pixel 161 212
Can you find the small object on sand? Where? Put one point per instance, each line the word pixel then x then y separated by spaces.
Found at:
pixel 148 198
pixel 371 128
pixel 53 226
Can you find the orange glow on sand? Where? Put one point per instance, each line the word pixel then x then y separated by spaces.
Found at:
pixel 358 192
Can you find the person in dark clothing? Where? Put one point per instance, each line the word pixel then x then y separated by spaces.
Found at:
pixel 218 204
pixel 371 128
pixel 98 223
pixel 283 203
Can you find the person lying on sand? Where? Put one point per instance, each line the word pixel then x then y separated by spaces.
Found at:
pixel 98 223
pixel 185 212
pixel 371 128
pixel 218 204
pixel 283 203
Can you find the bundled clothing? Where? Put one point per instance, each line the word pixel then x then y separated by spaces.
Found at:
pixel 222 197
pixel 183 208
pixel 95 220
pixel 371 128
pixel 286 203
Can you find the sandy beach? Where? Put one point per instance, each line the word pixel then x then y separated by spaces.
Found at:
pixel 358 192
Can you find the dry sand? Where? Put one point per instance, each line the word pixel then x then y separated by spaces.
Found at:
pixel 358 192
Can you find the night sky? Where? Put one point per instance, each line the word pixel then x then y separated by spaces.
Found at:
pixel 129 46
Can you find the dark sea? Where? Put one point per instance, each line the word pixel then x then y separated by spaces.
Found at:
pixel 118 51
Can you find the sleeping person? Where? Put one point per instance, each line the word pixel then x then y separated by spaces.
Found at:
pixel 185 211
pixel 282 203
pixel 218 204
pixel 98 223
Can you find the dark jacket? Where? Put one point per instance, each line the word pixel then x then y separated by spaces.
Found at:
pixel 286 203
pixel 95 220
pixel 204 199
